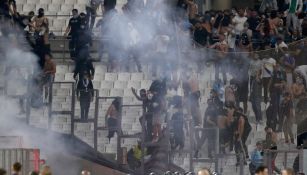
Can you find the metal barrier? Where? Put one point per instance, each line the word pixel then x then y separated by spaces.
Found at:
pixel 270 158
pixel 205 132
pixel 29 158
pixel 50 104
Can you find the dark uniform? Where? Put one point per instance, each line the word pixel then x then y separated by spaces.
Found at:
pixel 74 24
pixel 86 93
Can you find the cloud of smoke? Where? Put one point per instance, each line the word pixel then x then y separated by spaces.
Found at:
pixel 17 65
pixel 148 32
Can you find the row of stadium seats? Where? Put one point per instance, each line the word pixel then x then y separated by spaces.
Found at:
pixel 57 2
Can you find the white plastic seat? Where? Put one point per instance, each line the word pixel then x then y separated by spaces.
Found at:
pixel 128 93
pixel 57 1
pixel 38 6
pixel 51 14
pixel 127 100
pixel 62 13
pixel 45 1
pixel 59 77
pixel 58 23
pixel 19 7
pixel 54 7
pixel 100 69
pixel 80 7
pixel 98 76
pixel 21 2
pixel 69 77
pixel 67 8
pixel 104 92
pixel 124 76
pixel 70 2
pixel 145 84
pixel 82 2
pixel 61 68
pixel 110 76
pixel 28 7
pixel 134 84
pixel 106 84
pixel 96 84
pixel 33 2
pixel 137 76
pixel 120 84
pixel 116 93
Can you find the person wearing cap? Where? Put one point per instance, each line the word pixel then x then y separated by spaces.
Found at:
pixel 256 158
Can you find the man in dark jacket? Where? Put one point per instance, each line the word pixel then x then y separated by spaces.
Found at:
pixel 82 66
pixel 84 39
pixel 85 94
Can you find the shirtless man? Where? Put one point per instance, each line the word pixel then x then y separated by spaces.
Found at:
pixel 191 88
pixel 41 27
pixel 298 88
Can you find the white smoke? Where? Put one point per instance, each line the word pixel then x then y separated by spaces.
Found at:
pixel 17 65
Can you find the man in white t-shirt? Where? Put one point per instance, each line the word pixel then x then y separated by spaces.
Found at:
pixel 267 72
pixel 239 21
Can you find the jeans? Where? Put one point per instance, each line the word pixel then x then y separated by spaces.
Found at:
pixel 256 98
pixel 72 46
pixel 287 128
pixel 240 147
pixel 85 103
pixel 266 82
pixel 293 19
pixel 91 16
pixel 275 100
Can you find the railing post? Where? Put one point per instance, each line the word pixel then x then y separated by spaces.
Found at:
pixel 96 120
pixel 269 159
pixel 50 105
pixel 143 139
pixel 217 149
pixel 192 140
pixel 301 160
pixel 28 101
pixel 73 101
pixel 242 163
pixel 119 134
pixel 286 161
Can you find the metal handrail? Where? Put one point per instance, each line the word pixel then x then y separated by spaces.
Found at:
pixel 269 153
